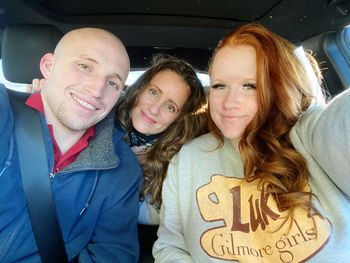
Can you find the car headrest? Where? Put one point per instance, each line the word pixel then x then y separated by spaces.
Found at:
pixel 23 46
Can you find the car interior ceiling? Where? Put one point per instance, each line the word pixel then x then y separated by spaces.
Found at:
pixel 189 29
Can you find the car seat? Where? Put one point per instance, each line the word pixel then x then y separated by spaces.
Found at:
pixel 22 48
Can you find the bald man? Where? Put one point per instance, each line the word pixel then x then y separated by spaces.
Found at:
pixel 94 175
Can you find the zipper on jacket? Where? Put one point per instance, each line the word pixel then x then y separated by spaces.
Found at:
pixel 52 175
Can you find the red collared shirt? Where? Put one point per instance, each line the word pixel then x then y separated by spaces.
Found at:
pixel 61 161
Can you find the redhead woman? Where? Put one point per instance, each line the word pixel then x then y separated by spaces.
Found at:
pixel 270 182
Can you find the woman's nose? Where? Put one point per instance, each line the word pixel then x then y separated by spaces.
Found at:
pixel 156 107
pixel 232 100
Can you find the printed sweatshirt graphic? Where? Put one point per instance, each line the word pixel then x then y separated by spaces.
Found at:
pixel 252 226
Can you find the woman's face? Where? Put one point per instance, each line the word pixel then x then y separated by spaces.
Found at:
pixel 232 96
pixel 160 103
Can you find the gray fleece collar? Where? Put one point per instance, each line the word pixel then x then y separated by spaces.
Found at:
pixel 100 152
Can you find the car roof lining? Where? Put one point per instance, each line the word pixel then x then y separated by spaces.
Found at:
pixel 284 17
pixel 241 10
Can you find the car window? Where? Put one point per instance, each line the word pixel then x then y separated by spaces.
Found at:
pixel 316 88
pixel 9 84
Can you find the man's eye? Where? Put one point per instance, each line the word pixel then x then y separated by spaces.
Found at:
pixel 218 86
pixel 113 84
pixel 83 66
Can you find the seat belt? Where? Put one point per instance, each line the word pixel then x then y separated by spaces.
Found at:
pixel 36 181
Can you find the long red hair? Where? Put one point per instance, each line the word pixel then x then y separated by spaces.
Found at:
pixel 283 93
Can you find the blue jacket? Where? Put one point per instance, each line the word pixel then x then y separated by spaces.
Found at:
pixel 96 197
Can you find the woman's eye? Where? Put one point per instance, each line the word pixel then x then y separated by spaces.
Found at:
pixel 153 92
pixel 218 86
pixel 171 108
pixel 249 86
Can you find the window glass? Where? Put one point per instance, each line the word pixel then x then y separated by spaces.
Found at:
pixel 8 84
pixel 316 88
pixel 134 75
pixel 347 36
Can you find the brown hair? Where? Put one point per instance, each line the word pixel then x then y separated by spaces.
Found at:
pixel 283 93
pixel 189 124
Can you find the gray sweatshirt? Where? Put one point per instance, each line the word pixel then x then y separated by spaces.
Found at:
pixel 209 214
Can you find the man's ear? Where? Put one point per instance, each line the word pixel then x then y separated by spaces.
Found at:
pixel 46 64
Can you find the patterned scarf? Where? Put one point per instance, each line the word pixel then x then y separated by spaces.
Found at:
pixel 140 143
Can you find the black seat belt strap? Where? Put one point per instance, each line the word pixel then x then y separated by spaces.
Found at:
pixel 36 181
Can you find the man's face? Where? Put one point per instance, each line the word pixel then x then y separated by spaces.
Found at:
pixel 87 74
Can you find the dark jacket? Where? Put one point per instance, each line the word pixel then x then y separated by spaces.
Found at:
pixel 96 197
